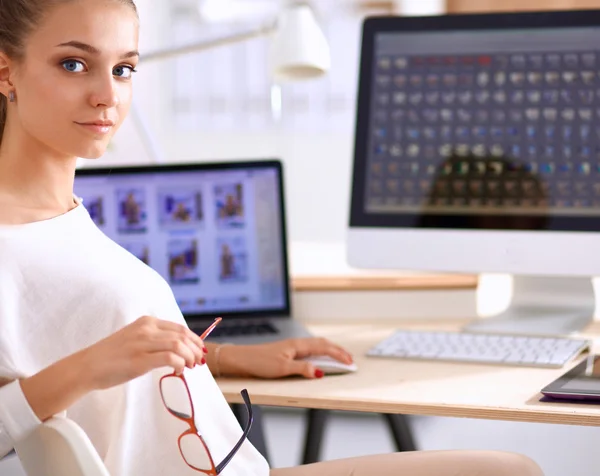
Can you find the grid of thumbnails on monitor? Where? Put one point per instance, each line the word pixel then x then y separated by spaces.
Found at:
pixel 484 122
pixel 214 235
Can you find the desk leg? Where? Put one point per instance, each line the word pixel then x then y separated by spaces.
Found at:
pixel 257 432
pixel 315 427
pixel 400 429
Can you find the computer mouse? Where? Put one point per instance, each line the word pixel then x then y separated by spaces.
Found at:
pixel 330 366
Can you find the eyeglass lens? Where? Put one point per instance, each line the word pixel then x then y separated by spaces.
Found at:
pixel 176 397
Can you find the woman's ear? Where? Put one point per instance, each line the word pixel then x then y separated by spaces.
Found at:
pixel 5 73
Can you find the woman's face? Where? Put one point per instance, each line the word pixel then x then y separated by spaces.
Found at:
pixel 74 85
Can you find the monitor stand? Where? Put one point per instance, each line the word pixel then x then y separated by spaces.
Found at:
pixel 554 306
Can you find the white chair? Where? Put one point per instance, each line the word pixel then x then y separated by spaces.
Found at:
pixel 59 447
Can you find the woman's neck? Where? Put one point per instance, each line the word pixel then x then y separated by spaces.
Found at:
pixel 35 183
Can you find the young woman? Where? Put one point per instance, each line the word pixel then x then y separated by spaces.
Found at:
pixel 87 328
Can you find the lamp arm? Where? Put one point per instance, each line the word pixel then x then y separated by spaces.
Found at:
pixel 209 44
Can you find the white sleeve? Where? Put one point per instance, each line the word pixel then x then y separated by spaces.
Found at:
pixel 17 419
pixel 5 443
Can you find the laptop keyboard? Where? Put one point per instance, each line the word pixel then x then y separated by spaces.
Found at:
pixel 235 329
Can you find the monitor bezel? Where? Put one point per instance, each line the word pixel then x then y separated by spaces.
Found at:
pixel 266 164
pixel 372 26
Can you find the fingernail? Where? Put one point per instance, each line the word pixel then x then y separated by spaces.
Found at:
pixel 319 373
pixel 205 350
pixel 203 361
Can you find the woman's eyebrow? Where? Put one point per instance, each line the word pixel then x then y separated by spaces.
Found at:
pixel 93 50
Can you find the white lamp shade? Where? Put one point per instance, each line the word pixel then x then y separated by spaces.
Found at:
pixel 299 48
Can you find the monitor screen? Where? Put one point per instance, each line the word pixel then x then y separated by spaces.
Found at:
pixel 487 122
pixel 214 232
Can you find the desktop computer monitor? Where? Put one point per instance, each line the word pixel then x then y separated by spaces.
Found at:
pixel 477 150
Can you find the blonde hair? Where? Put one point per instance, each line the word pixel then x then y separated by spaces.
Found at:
pixel 18 18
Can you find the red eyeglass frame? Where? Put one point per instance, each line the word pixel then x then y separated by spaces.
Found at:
pixel 193 430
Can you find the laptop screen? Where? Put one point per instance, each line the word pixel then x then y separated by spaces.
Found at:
pixel 215 232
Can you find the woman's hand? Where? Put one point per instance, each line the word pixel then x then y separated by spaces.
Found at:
pixel 278 359
pixel 140 347
pixel 144 345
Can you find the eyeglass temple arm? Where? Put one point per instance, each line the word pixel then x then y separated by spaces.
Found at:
pixel 221 466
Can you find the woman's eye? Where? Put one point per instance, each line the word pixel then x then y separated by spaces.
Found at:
pixel 123 71
pixel 73 66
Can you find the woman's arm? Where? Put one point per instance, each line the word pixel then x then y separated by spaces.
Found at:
pixel 144 345
pixel 26 403
pixel 220 364
pixel 210 357
pixel 274 359
pixel 57 387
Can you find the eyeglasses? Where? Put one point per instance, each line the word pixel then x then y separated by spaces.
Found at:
pixel 177 399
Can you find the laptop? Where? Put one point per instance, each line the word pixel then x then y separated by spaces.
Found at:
pixel 215 231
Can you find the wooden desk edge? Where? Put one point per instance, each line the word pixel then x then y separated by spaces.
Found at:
pixel 453 411
pixel 383 283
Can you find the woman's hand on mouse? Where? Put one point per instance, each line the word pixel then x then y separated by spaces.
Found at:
pixel 278 359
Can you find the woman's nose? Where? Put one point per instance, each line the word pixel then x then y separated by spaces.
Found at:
pixel 105 93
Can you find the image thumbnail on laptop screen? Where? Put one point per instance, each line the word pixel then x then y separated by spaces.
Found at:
pixel 215 232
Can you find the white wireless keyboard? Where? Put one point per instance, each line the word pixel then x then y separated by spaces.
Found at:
pixel 526 351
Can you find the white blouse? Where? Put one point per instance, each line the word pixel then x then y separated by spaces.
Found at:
pixel 64 285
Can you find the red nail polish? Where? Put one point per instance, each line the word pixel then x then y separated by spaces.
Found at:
pixel 205 350
pixel 319 373
pixel 203 361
